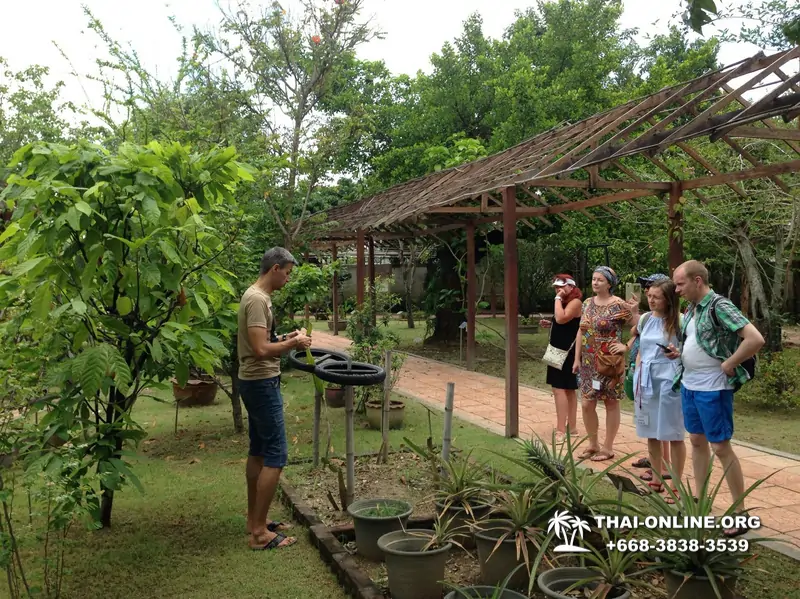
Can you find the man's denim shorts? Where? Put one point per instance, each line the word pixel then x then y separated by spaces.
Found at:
pixel 264 403
pixel 708 413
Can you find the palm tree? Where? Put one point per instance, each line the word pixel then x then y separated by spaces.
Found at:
pixel 561 523
pixel 578 526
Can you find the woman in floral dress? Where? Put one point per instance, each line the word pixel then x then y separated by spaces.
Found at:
pixel 599 358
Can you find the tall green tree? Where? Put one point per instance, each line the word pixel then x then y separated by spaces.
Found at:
pixel 287 64
pixel 117 253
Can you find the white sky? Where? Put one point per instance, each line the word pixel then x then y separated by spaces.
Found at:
pixel 414 29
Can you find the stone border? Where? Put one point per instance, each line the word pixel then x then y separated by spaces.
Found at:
pixel 333 553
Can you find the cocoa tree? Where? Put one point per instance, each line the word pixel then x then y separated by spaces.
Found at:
pixel 117 253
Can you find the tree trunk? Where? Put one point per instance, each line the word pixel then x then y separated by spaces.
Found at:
pixel 448 314
pixel 236 404
pixel 759 306
pixel 114 412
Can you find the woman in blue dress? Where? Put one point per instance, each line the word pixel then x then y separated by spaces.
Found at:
pixel 658 412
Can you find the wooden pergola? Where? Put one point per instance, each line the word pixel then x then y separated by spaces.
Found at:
pixel 584 166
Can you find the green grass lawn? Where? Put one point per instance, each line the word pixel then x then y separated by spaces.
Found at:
pixel 777 429
pixel 184 537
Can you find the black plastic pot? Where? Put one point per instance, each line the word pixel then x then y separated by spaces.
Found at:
pixel 697 587
pixel 483 593
pixel 413 573
pixel 497 564
pixel 552 582
pixel 462 518
pixel 371 528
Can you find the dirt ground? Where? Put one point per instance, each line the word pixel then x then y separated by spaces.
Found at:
pixel 404 477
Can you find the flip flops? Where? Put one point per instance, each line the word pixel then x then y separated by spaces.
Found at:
pixel 275 543
pixel 602 456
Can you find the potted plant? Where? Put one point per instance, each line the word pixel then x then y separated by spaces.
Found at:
pixel 397 409
pixel 416 558
pixel 373 518
pixel 505 544
pixel 607 574
pixel 460 489
pixel 199 390
pixel 500 591
pixel 712 569
pixel 574 483
pixel 334 396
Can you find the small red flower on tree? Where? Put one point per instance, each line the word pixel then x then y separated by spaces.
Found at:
pixel 339 2
pixel 316 39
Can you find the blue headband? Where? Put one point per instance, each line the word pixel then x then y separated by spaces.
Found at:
pixel 609 274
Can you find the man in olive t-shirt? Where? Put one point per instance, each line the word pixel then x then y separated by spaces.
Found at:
pixel 260 387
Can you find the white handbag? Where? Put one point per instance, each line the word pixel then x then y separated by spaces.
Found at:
pixel 555 356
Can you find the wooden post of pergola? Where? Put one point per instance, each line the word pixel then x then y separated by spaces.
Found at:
pixel 675 229
pixel 335 299
pixel 372 279
pixel 512 308
pixel 472 284
pixel 360 268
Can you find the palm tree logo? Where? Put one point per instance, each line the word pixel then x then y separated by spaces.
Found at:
pixel 561 524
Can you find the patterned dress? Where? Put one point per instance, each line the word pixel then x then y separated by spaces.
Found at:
pixel 601 326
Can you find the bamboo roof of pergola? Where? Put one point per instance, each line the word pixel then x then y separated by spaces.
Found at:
pixel 572 156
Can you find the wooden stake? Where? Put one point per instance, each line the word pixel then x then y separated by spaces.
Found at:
pixel 350 443
pixel 448 421
pixel 317 415
pixel 387 400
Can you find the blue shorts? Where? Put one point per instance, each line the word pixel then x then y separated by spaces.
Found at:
pixel 708 413
pixel 264 404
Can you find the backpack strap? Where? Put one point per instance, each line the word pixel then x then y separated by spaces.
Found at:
pixel 713 307
pixel 642 322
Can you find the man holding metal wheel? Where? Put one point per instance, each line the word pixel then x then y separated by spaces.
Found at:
pixel 260 351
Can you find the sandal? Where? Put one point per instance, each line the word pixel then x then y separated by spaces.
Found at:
pixel 278 526
pixel 588 453
pixel 602 456
pixel 641 463
pixel 668 499
pixel 739 530
pixel 647 476
pixel 656 487
pixel 277 542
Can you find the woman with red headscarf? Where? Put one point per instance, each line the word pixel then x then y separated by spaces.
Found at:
pixel 563 330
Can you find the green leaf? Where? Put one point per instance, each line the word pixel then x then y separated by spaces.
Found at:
pixel 42 301
pixel 222 282
pixel 83 207
pixel 124 305
pixel 151 210
pixel 156 351
pixel 193 205
pixel 150 274
pixel 169 251
pixel 118 367
pixel 211 341
pixel 28 265
pixel 201 304
pixel 74 218
pixel 79 306
pixel 91 367
pixel 10 231
pixel 182 373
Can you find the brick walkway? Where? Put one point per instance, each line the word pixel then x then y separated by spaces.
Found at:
pixel 480 399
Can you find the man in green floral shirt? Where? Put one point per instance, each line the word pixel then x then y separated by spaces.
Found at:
pixel 716 340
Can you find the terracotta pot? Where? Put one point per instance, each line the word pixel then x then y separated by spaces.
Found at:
pixel 334 397
pixel 397 411
pixel 341 325
pixel 197 392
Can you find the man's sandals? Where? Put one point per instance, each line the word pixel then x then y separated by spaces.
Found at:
pixel 274 527
pixel 596 455
pixel 279 541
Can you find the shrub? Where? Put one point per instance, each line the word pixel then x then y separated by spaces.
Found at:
pixel 777 383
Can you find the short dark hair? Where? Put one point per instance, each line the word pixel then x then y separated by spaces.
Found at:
pixel 277 255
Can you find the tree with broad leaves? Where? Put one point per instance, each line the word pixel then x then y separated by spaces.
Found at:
pixel 773 24
pixel 287 64
pixel 119 255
